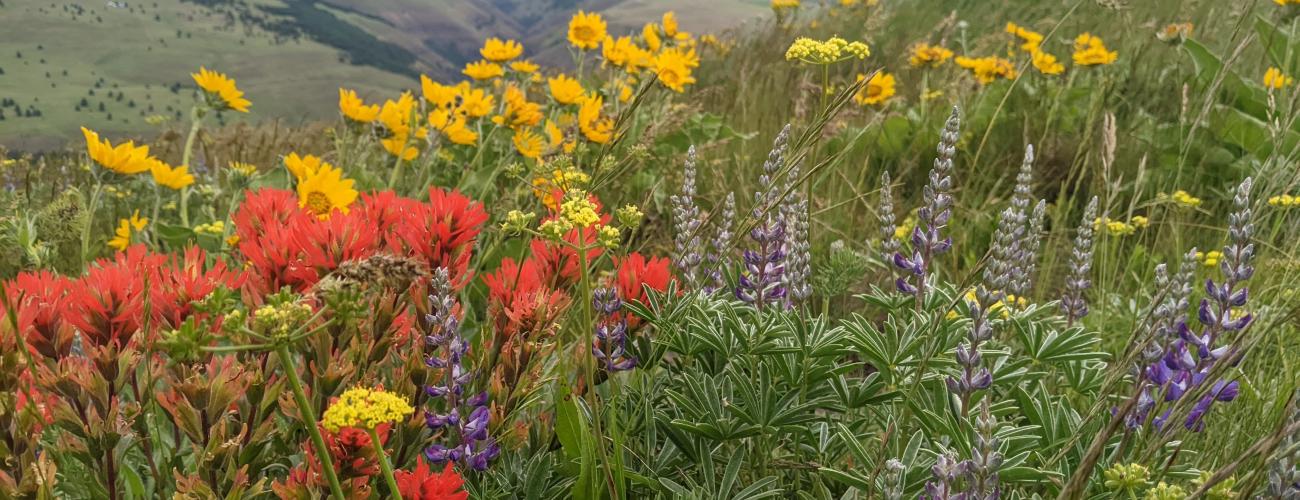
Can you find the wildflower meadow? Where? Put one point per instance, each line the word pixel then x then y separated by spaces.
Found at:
pixel 851 249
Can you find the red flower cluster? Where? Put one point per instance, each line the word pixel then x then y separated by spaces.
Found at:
pixel 635 273
pixel 354 461
pixel 424 484
pixel 285 246
pixel 107 305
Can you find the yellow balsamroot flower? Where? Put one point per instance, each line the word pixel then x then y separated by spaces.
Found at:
pixel 1030 39
pixel 518 111
pixel 325 191
pixel 497 50
pixel 398 115
pixel 878 89
pixel 483 70
pixel 1286 2
pixel 924 54
pixel 987 69
pixel 1284 201
pixel 167 176
pixel 453 127
pixel 125 158
pixel 122 236
pixel 1090 51
pixel 476 103
pixel 223 87
pixel 595 128
pixel 365 409
pixel 1275 79
pixel 617 51
pixel 528 143
pixel 1046 63
pixel 1209 259
pixel 565 90
pixel 437 94
pixel 303 167
pixel 524 66
pixel 355 109
pixel 586 30
pixel 579 210
pixel 780 5
pixel 244 169
pixel 669 23
pixel 651 35
pixel 831 51
pixel 398 146
pixel 673 67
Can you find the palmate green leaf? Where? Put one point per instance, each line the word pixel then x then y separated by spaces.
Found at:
pixel 853 479
pixel 1045 344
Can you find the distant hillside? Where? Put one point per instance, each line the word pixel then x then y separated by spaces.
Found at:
pixel 122 66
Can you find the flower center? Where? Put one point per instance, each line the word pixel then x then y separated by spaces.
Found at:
pixel 318 203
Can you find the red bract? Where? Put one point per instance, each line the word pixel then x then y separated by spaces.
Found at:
pixel 635 273
pixel 424 484
pixel 442 232
pixel 106 304
pixel 519 299
pixel 38 299
pixel 184 280
pixel 324 244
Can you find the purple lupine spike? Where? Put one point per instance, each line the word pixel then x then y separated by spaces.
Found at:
pixel 946 470
pixel 687 225
pixel 933 216
pixel 720 247
pixel 794 211
pixel 761 279
pixel 1073 303
pixel 889 244
pixel 465 439
pixel 609 345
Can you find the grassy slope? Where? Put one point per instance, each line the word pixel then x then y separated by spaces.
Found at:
pixel 141 55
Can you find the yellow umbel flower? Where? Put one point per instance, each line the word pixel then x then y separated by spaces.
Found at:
pixel 1031 39
pixel 167 176
pixel 987 69
pixel 122 236
pixel 673 67
pixel 1046 63
pixel 365 409
pixel 878 89
pixel 1181 198
pixel 1209 259
pixel 303 167
pixel 355 109
pixel 325 191
pixel 1129 478
pixel 524 66
pixel 125 158
pixel 528 143
pixel 579 210
pixel 1284 201
pixel 564 90
pixel 924 54
pixel 1165 491
pixel 1275 79
pixel 483 70
pixel 831 51
pixel 586 30
pixel 214 228
pixel 1090 51
pixel 609 237
pixel 223 87
pixel 497 50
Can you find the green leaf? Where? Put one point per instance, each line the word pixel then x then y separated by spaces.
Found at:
pixel 575 439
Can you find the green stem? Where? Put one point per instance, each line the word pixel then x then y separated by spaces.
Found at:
pixel 196 123
pixel 589 360
pixel 90 219
pixel 309 416
pixel 384 466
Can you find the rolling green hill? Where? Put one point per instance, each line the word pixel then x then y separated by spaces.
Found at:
pixel 122 67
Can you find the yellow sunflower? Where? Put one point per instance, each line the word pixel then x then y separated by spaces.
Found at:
pixel 878 89
pixel 167 176
pixel 303 167
pixel 355 109
pixel 528 143
pixel 586 30
pixel 565 90
pixel 673 67
pixel 223 87
pixel 125 158
pixel 325 191
pixel 524 66
pixel 497 50
pixel 483 70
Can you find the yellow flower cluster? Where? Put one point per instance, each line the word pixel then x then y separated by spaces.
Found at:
pixel 215 228
pixel 322 189
pixel 924 54
pixel 1031 42
pixel 125 158
pixel 1284 201
pixel 1275 79
pixel 1031 39
pixel 222 88
pixel 122 236
pixel 365 409
pixel 579 210
pixel 244 169
pixel 999 307
pixel 1286 2
pixel 1091 51
pixel 878 89
pixel 987 69
pixel 355 109
pixel 781 5
pixel 1180 198
pixel 561 180
pixel 1209 259
pixel 1121 228
pixel 830 51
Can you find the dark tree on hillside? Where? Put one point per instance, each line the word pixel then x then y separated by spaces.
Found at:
pixel 19 54
pixel 101 107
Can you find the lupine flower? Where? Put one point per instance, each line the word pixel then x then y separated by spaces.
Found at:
pixel 764 267
pixel 1073 303
pixel 889 244
pixel 720 247
pixel 463 422
pixel 893 479
pixel 927 240
pixel 982 468
pixel 610 342
pixel 687 225
pixel 946 471
pixel 794 212
pixel 1284 469
pixel 1024 280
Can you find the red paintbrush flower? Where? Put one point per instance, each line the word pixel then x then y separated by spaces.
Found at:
pixel 424 484
pixel 38 299
pixel 324 244
pixel 441 232
pixel 185 280
pixel 635 273
pixel 107 303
